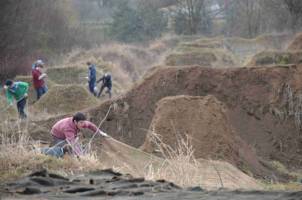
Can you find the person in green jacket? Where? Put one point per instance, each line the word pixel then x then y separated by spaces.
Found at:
pixel 17 91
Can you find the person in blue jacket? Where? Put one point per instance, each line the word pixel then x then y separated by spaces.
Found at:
pixel 91 77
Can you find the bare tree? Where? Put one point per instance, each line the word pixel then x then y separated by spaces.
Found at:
pixel 295 9
pixel 192 14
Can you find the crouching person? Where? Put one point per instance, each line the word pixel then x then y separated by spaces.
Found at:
pixel 17 91
pixel 65 132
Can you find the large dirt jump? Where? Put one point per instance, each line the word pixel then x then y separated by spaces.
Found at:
pixel 204 121
pixel 260 102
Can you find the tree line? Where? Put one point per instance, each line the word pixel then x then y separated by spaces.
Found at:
pixel 45 28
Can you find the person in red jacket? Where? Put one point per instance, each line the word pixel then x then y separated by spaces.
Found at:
pixel 66 131
pixel 39 78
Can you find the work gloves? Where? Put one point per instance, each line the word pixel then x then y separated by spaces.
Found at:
pixel 103 134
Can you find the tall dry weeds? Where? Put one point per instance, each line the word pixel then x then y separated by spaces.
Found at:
pixel 179 166
pixel 290 105
pixel 19 155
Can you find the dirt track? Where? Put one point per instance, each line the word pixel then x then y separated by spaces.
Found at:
pixel 107 184
pixel 254 99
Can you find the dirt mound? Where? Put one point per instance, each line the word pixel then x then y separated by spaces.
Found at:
pixel 296 44
pixel 200 56
pixel 203 51
pixel 276 58
pixel 32 96
pixel 78 75
pixel 127 62
pixel 257 102
pixel 204 121
pixel 274 41
pixel 244 49
pixel 65 99
pixel 224 51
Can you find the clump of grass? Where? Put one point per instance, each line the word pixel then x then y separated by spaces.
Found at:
pixel 179 165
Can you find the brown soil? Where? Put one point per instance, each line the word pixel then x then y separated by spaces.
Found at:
pixel 254 99
pixel 296 44
pixel 204 121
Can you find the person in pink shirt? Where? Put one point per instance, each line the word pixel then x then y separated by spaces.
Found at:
pixel 66 131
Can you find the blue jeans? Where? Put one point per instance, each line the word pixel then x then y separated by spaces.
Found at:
pixel 40 91
pixel 21 106
pixel 58 142
pixel 91 86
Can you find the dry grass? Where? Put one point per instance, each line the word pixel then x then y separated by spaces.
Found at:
pixel 289 105
pixel 179 166
pixel 20 155
pixel 294 185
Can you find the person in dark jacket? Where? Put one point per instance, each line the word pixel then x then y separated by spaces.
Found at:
pixel 106 83
pixel 91 77
pixel 39 78
pixel 19 92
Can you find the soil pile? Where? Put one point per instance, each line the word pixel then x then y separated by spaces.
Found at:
pixel 276 58
pixel 65 99
pixel 296 44
pixel 204 121
pixel 260 104
pixel 204 52
pixel 78 75
pixel 32 95
pixel 244 49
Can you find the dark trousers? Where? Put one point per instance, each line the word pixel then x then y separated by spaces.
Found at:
pixel 108 91
pixel 21 106
pixel 40 91
pixel 58 142
pixel 91 87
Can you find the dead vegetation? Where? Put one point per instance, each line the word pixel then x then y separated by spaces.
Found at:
pixel 20 155
pixel 288 105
